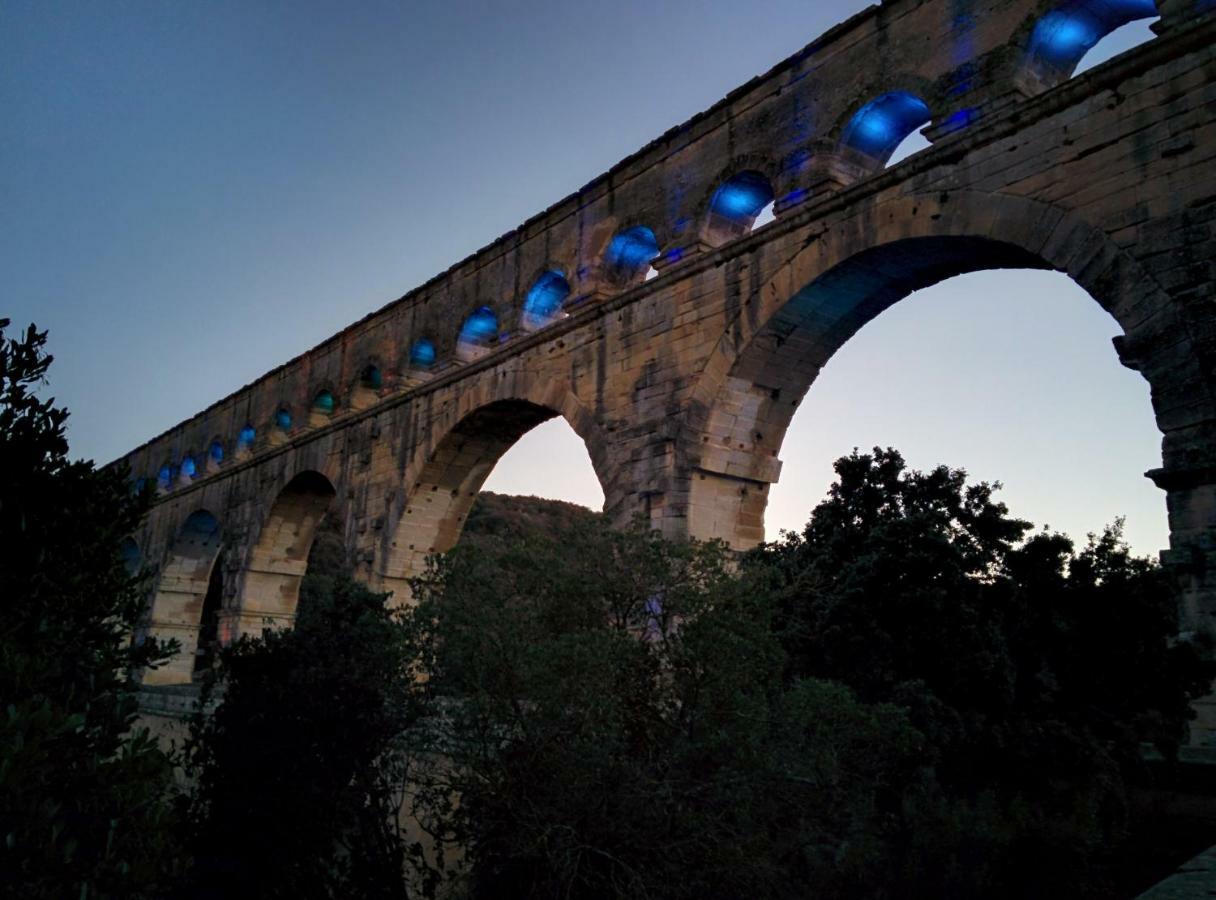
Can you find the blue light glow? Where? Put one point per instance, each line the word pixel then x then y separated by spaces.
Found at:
pixel 480 328
pixel 245 439
pixel 960 120
pixel 324 402
pixel 742 197
pixel 631 249
pixel 797 160
pixel 217 451
pixel 545 299
pixel 881 125
pixel 188 468
pixel 165 477
pixel 1068 32
pixel 283 419
pixel 795 196
pixel 372 378
pixel 422 354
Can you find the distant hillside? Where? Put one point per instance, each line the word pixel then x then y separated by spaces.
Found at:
pixel 494 517
pixel 500 516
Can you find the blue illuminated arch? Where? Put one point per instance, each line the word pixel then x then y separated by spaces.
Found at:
pixel 244 440
pixel 631 249
pixel 422 354
pixel 188 467
pixel 545 299
pixel 1071 30
pixel 480 329
pixel 882 124
pixel 165 476
pixel 216 451
pixel 324 402
pixel 283 419
pixel 741 198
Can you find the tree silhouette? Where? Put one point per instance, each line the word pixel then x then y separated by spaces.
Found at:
pixel 84 797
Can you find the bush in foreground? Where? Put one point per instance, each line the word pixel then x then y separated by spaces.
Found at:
pixel 85 799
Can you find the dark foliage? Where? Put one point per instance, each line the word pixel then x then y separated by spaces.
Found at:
pixel 297 788
pixel 84 798
pixel 597 750
pixel 1035 671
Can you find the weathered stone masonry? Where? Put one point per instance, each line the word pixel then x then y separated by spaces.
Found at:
pixel 683 386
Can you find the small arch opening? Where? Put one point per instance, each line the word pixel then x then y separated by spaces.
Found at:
pixel 477 334
pixel 883 124
pixel 1073 31
pixel 629 252
pixel 282 420
pixel 1122 39
pixel 736 206
pixel 188 468
pixel 215 453
pixel 741 198
pixel 323 406
pixel 422 354
pixel 544 301
pixel 324 402
pixel 166 476
pixel 367 389
pixel 245 439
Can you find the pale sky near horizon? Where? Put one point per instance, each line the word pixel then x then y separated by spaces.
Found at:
pixel 190 196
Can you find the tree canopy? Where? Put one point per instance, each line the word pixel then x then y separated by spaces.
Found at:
pixel 85 799
pixel 297 786
pixel 917 696
pixel 1036 671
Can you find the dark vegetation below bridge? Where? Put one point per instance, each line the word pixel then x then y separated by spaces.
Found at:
pixel 918 696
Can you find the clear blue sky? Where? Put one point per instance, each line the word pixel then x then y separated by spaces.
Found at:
pixel 191 194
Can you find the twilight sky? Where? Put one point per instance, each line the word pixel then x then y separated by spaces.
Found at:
pixel 191 194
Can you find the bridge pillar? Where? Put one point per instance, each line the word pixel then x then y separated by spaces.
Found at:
pixel 267 599
pixel 177 613
pixel 1189 479
pixel 726 508
pixel 728 486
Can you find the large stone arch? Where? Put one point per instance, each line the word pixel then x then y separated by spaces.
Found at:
pixel 465 441
pixel 277 557
pixel 859 266
pixel 180 592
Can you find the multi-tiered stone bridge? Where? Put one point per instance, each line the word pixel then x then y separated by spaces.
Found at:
pixel 682 385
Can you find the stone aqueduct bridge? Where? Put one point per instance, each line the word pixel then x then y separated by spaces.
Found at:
pixel 682 386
